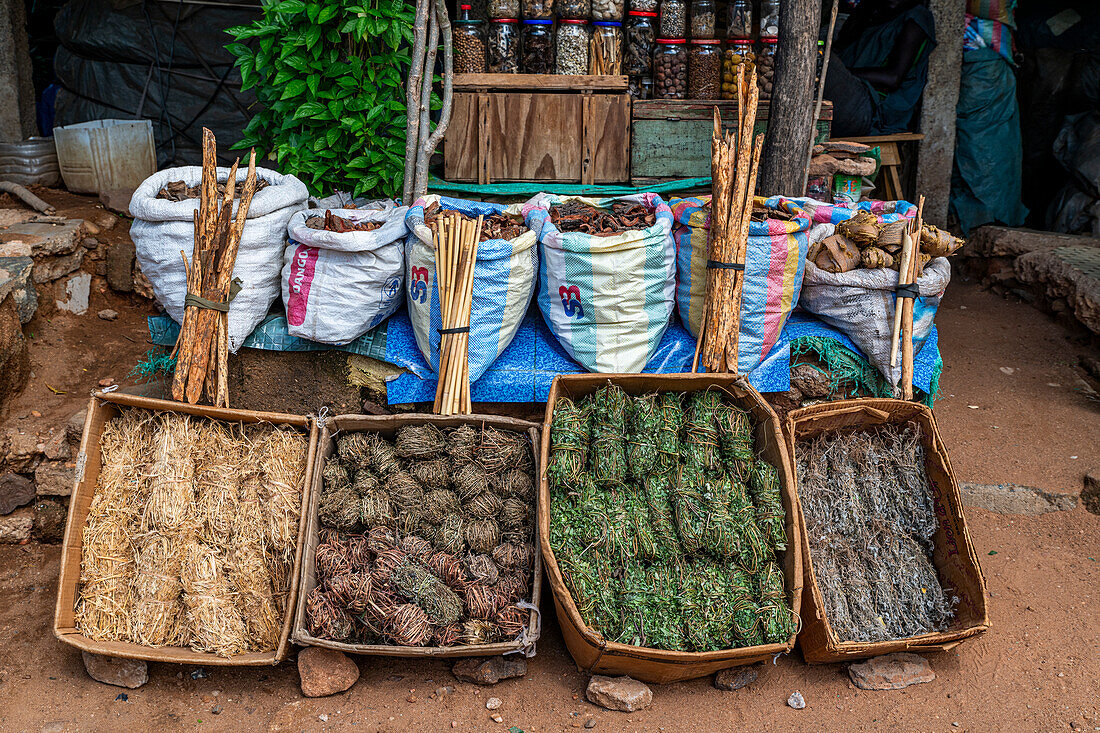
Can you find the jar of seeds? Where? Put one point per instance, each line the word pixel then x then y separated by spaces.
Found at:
pixel 765 67
pixel 605 51
pixel 769 19
pixel 673 19
pixel 640 39
pixel 670 69
pixel 704 68
pixel 502 46
pixel 538 47
pixel 608 10
pixel 645 6
pixel 538 9
pixel 469 45
pixel 702 18
pixel 737 53
pixel 739 20
pixel 572 47
pixel 574 9
pixel 502 9
pixel 639 87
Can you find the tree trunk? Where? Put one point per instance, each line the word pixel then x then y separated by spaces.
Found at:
pixel 790 118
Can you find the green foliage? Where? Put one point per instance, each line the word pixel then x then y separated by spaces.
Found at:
pixel 330 79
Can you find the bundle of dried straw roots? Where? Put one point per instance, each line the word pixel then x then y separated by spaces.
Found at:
pixel 191 534
pixel 664 522
pixel 870 520
pixel 426 541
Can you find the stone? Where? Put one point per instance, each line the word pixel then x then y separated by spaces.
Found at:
pixel 489 671
pixel 15 491
pixel 91 242
pixel 736 678
pixel 1064 272
pixel 15 528
pixel 105 220
pixel 50 516
pixel 108 315
pixel 78 289
pixel 46 238
pixel 590 723
pixel 57 447
pixel 54 268
pixel 16 249
pixel 54 478
pixel 129 673
pixel 15 366
pixel 74 428
pixel 891 672
pixel 493 703
pixel 810 381
pixel 142 286
pixel 117 200
pixel 325 672
pixel 619 693
pixel 1015 499
pixel 1090 495
pixel 120 265
pixel 22 454
pixel 16 277
pixel 796 700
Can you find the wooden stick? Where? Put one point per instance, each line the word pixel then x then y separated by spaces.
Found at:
pixel 820 94
pixel 907 313
pixel 734 342
pixel 903 279
pixel 439 239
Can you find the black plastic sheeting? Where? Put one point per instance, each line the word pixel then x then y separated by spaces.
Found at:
pixel 165 62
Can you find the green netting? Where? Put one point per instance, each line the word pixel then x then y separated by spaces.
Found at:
pixel 850 375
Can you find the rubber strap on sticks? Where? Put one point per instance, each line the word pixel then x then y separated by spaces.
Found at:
pixel 909 290
pixel 462 329
pixel 213 305
pixel 716 265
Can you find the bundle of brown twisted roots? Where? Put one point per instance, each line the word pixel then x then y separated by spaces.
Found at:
pixel 870 520
pixel 191 534
pixel 425 541
pixel 863 241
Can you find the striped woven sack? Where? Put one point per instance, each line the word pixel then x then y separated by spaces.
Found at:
pixel 775 259
pixel 504 280
pixel 886 211
pixel 607 299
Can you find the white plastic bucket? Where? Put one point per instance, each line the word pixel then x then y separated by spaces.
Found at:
pixel 103 155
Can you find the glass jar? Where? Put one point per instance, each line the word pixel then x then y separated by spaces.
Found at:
pixel 469 47
pixel 639 87
pixel 538 47
pixel 574 9
pixel 605 55
pixel 538 9
pixel 640 39
pixel 497 9
pixel 736 54
pixel 704 68
pixel 765 67
pixel 572 47
pixel 645 6
pixel 739 20
pixel 608 10
pixel 503 46
pixel 673 19
pixel 702 18
pixel 670 69
pixel 769 19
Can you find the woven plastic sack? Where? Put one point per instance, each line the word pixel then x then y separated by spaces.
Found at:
pixel 163 228
pixel 504 280
pixel 861 302
pixel 607 299
pixel 886 211
pixel 775 259
pixel 339 285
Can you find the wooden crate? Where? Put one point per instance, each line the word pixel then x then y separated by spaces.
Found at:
pixel 533 127
pixel 670 138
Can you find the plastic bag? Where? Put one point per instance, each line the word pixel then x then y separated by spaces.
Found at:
pixel 339 285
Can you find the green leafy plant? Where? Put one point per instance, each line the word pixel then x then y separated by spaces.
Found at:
pixel 329 76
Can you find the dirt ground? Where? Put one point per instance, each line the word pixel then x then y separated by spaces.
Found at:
pixel 1012 410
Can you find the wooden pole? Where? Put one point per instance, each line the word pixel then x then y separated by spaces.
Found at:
pixel 907 313
pixel 820 94
pixel 412 97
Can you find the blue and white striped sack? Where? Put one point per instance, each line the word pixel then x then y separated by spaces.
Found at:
pixel 504 281
pixel 607 299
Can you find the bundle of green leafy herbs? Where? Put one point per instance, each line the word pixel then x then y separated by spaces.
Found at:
pixel 665 523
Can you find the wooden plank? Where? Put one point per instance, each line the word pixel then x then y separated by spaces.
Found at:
pixel 900 137
pixel 661 109
pixel 888 154
pixel 609 120
pixel 484 167
pixel 539 82
pixel 535 137
pixel 460 144
pixel 589 139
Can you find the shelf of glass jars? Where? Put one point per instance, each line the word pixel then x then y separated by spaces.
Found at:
pixel 539 82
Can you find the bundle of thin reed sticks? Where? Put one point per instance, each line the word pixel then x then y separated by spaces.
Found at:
pixel 456 239
pixel 735 157
pixel 202 349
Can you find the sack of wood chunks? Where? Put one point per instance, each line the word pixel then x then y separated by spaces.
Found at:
pixel 861 303
pixel 504 278
pixel 607 276
pixel 163 208
pixel 774 263
pixel 342 271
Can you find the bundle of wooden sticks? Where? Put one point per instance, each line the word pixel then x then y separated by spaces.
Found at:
pixel 903 306
pixel 202 349
pixel 734 160
pixel 456 239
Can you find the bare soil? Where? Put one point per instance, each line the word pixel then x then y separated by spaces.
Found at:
pixel 1035 670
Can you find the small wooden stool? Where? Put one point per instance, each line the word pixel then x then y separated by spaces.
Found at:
pixel 890 159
